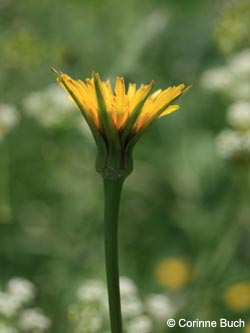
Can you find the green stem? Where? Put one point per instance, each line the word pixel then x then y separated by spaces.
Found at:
pixel 112 191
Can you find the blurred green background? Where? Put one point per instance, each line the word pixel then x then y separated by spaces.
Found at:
pixel 182 201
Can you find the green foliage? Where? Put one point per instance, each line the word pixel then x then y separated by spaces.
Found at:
pixel 182 199
pixel 232 30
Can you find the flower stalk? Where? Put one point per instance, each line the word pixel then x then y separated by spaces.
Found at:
pixel 117 118
pixel 112 194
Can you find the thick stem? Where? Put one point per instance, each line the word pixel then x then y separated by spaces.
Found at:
pixel 112 191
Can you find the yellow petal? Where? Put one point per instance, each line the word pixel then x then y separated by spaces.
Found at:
pixel 119 113
pixel 120 104
pixel 82 94
pixel 169 110
pixel 156 102
pixel 140 95
pixel 167 95
pixel 131 90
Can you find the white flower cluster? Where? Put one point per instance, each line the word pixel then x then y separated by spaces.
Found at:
pixel 233 81
pixel 9 118
pixel 91 314
pixel 233 144
pixel 238 115
pixel 33 320
pixel 15 317
pixel 51 108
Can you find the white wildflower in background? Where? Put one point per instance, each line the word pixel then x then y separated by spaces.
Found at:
pixel 131 307
pixel 233 144
pixel 9 118
pixel 33 319
pixel 127 287
pixel 21 289
pixel 217 79
pixel 239 115
pixel 92 298
pixel 160 307
pixel 15 317
pixel 140 324
pixel 87 316
pixel 50 107
pixel 90 311
pixel 240 63
pixel 228 143
pixel 91 290
pixel 233 79
pixel 90 321
pixel 9 305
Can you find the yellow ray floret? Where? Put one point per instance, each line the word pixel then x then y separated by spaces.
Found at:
pixel 122 102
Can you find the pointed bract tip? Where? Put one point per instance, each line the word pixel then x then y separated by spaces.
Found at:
pixel 186 89
pixel 96 77
pixel 58 73
pixel 92 71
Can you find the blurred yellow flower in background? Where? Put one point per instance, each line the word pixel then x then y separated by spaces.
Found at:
pixel 173 272
pixel 247 328
pixel 237 296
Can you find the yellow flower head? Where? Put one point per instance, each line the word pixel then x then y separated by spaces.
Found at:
pixel 173 273
pixel 237 296
pixel 117 117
